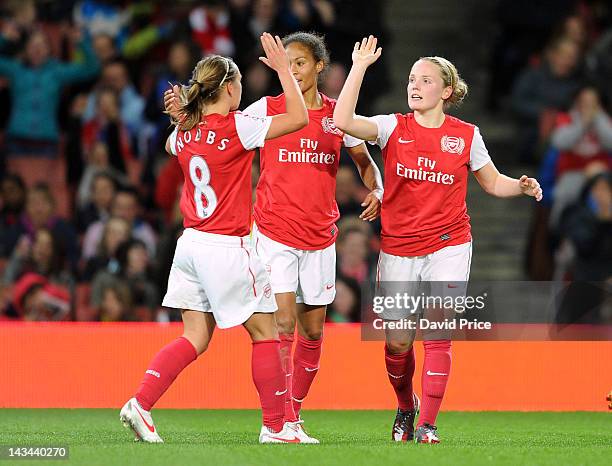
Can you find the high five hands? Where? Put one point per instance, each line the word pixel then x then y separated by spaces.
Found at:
pixel 365 52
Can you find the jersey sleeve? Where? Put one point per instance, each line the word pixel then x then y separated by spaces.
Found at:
pixel 252 130
pixel 172 137
pixel 479 155
pixel 350 141
pixel 386 124
pixel 258 108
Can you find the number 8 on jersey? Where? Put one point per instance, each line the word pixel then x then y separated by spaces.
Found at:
pixel 201 183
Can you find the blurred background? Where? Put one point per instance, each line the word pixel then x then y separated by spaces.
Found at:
pixel 89 200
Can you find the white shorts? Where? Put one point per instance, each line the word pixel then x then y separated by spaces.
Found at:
pixel 218 274
pixel 311 275
pixel 446 273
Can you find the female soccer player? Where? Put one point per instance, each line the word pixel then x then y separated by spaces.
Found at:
pixel 296 211
pixel 425 226
pixel 216 279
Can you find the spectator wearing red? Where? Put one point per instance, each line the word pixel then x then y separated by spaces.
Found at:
pixel 210 28
pixel 107 126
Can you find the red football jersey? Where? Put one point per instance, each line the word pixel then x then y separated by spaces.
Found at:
pixel 296 194
pixel 216 158
pixel 426 175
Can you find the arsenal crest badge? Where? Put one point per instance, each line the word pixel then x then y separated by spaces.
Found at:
pixel 452 144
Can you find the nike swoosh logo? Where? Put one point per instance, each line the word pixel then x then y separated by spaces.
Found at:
pixel 329 287
pixel 311 369
pixel 404 141
pixel 435 373
pixel 293 440
pixel 149 426
pixel 396 376
pixel 281 393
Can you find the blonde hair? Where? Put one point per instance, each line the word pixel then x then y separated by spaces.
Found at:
pixel 450 77
pixel 208 78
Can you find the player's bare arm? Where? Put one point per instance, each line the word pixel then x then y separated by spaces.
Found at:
pixel 500 185
pixel 296 116
pixel 365 54
pixel 370 175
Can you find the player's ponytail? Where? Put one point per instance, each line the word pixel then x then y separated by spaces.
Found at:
pixel 207 80
pixel 451 78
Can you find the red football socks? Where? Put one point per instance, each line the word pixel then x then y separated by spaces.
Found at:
pixel 436 369
pixel 400 369
pixel 286 350
pixel 305 368
pixel 269 380
pixel 163 369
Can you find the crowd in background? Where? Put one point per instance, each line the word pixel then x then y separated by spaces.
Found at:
pixel 89 198
pixel 89 214
pixel 553 68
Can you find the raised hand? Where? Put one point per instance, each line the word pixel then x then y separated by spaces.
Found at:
pixel 530 187
pixel 365 52
pixel 172 102
pixel 276 57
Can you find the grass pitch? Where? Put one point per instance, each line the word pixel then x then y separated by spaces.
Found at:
pixel 229 437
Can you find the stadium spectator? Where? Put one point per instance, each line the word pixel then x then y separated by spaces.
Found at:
pixel 98 161
pixel 181 60
pixel 40 213
pixel 35 299
pixel 12 200
pixel 18 26
pixel 308 15
pixel 210 29
pixel 244 41
pixel 264 17
pixel 115 232
pixel 163 262
pixel 105 48
pixel 599 61
pixel 583 136
pixel 542 91
pixel 43 256
pixel 352 18
pixel 126 206
pixel 348 192
pixel 168 187
pixel 116 304
pixel 346 306
pixel 134 272
pixel 258 81
pixel 587 227
pixel 97 17
pixel 353 251
pixel 333 80
pixel 131 104
pixel 108 127
pixel 36 83
pixel 519 40
pixel 97 205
